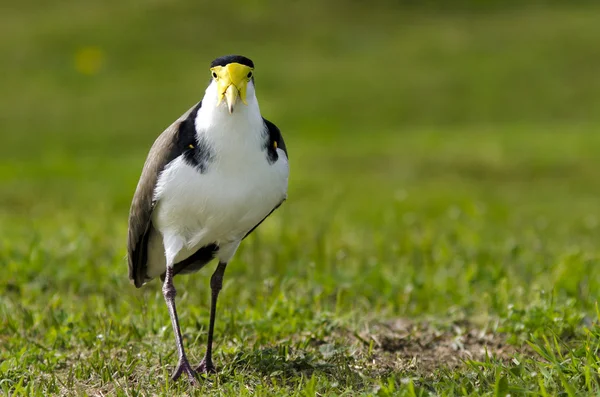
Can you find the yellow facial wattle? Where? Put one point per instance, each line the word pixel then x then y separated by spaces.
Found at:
pixel 232 81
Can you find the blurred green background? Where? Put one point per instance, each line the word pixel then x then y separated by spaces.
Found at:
pixel 444 159
pixel 88 85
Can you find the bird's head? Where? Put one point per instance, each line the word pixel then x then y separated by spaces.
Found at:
pixel 232 74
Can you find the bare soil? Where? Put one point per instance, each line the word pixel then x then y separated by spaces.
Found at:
pixel 404 345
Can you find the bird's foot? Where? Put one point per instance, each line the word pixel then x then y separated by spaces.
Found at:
pixel 206 367
pixel 184 367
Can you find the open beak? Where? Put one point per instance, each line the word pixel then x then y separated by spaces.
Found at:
pixel 232 81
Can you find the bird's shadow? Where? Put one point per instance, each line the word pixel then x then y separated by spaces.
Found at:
pixel 280 362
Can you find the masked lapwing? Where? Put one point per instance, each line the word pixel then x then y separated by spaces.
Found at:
pixel 209 180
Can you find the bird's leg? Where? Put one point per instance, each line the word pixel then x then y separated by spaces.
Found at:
pixel 216 283
pixel 183 365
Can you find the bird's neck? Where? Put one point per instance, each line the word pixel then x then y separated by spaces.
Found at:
pixel 230 132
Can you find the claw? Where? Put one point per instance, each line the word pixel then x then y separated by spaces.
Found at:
pixel 206 367
pixel 184 366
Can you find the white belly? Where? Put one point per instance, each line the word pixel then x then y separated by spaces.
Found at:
pixel 219 206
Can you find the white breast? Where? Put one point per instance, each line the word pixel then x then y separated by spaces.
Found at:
pixel 238 189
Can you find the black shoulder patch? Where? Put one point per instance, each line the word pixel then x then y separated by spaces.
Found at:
pixel 227 59
pixel 273 142
pixel 196 152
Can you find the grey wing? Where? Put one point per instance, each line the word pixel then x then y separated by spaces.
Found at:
pixel 163 151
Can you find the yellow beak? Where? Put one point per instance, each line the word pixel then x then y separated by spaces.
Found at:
pixel 232 81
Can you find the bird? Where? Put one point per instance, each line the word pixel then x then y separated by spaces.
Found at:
pixel 209 180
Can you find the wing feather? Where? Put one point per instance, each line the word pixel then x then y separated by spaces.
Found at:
pixel 163 151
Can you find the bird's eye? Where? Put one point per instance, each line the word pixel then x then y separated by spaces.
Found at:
pixel 249 75
pixel 214 75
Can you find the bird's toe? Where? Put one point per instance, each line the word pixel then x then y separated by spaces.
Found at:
pixel 185 367
pixel 206 367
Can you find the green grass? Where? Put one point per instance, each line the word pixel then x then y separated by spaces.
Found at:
pixel 441 232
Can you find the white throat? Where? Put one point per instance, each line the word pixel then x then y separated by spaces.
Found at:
pixel 236 138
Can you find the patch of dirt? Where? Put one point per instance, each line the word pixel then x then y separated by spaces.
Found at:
pixel 402 345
